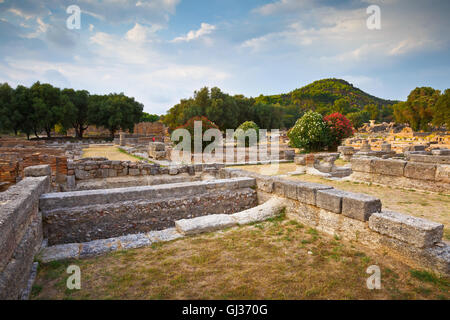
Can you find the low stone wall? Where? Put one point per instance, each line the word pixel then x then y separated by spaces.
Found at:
pixel 399 173
pixel 101 168
pixel 89 215
pixel 357 217
pixel 20 233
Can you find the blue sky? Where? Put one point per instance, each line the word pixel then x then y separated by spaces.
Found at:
pixel 160 51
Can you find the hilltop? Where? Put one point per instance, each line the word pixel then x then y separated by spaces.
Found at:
pixel 323 93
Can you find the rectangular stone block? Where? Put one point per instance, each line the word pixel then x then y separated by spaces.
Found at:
pixel 430 159
pixel 307 191
pixel 441 152
pixel 443 173
pixel 330 200
pixel 389 167
pixel 278 187
pixel 38 171
pixel 421 171
pixel 204 224
pixel 419 232
pixel 362 164
pixel 359 206
pixel 286 188
pixel 265 183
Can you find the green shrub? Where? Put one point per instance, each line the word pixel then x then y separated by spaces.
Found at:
pixel 242 131
pixel 310 133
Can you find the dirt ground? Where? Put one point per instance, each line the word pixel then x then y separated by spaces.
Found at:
pixel 109 152
pixel 276 259
pixel 428 205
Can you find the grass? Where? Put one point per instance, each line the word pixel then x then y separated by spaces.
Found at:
pixel 132 155
pixel 109 152
pixel 276 259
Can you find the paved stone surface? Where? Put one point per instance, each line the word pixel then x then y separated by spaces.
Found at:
pixel 416 231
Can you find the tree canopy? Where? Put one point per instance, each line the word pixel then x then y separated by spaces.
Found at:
pixel 43 107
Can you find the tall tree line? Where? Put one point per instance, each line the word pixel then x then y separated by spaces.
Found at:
pixel 226 111
pixel 425 107
pixel 42 107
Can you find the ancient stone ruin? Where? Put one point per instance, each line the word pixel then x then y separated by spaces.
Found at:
pixel 116 206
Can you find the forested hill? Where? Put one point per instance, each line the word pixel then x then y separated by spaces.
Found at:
pixel 322 94
pixel 281 111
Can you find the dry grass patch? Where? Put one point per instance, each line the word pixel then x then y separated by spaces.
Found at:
pixel 277 259
pixel 109 152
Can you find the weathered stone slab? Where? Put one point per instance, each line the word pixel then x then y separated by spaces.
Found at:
pixel 307 191
pixel 204 224
pixel 362 164
pixel 60 252
pixel 359 206
pixel 443 173
pixel 389 167
pixel 86 223
pixel 430 159
pixel 268 209
pixel 330 200
pixel 14 276
pixel 97 247
pixel 53 201
pixel 416 231
pixel 440 152
pixel 421 171
pixel 37 171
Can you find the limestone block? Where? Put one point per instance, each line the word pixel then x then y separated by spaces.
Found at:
pixel 440 152
pixel 286 188
pixel 307 191
pixel 268 209
pixel 133 172
pixel 362 164
pixel 416 231
pixel 71 184
pixel 443 173
pixel 265 183
pixel 37 171
pixel 421 171
pixel 330 200
pixel 204 224
pixel 300 160
pixel 60 252
pixel 359 206
pixel 82 174
pixel 389 167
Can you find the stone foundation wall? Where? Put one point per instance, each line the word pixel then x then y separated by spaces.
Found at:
pixel 20 233
pixel 102 168
pixel 89 215
pixel 13 161
pixel 357 217
pixel 430 176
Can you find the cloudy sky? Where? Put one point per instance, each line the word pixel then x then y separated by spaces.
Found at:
pixel 160 51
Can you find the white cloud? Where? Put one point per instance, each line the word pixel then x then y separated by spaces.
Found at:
pixel 140 33
pixel 282 6
pixel 205 29
pixel 20 13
